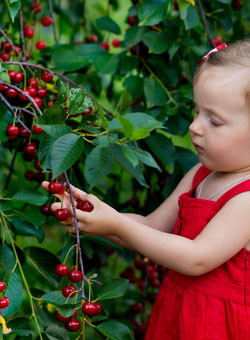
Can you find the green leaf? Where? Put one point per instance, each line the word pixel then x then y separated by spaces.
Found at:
pixel 112 288
pixel 134 35
pixel 54 332
pixel 105 243
pixel 66 310
pixel 14 292
pixel 98 165
pixel 20 326
pixel 3 135
pixel 65 57
pixel 54 115
pixel 76 101
pixel 190 17
pixel 139 134
pixel 154 92
pixel 30 196
pixel 186 158
pixel 151 12
pixel 114 330
pixel 126 125
pixel 44 262
pixel 65 152
pixel 162 147
pixel 107 24
pixel 134 85
pixel 32 215
pixel 145 157
pixel 90 51
pixel 138 119
pixel 23 227
pixel 4 77
pixel 130 155
pixel 157 42
pixel 13 8
pixel 125 100
pixel 8 259
pixel 44 151
pixel 56 130
pixel 5 205
pixel 122 160
pixel 106 63
pixel 55 298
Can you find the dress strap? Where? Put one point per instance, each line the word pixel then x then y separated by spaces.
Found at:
pixel 238 189
pixel 201 173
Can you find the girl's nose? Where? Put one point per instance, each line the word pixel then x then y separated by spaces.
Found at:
pixel 195 127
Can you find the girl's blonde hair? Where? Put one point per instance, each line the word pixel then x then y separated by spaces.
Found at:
pixel 235 54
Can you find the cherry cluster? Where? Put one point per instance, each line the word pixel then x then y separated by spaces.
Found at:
pixel 4 300
pixel 147 276
pixel 89 308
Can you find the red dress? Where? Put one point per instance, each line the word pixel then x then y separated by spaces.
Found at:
pixel 212 306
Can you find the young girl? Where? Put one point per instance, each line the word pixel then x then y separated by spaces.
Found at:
pixel 202 231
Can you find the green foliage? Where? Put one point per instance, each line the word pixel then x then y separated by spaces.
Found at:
pixel 118 127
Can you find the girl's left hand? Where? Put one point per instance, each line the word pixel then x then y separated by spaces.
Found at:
pixel 103 220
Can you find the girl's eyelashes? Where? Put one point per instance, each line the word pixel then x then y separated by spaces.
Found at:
pixel 214 122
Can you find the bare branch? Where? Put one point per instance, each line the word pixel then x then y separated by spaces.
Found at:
pixel 77 234
pixel 205 23
pixel 53 21
pixel 22 35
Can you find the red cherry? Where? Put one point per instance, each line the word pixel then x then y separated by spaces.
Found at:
pixel 40 176
pixel 12 130
pixel 38 101
pixel 105 45
pixel 32 91
pixel 116 43
pixel 12 138
pixel 217 41
pixel 92 38
pixel 62 215
pixel 2 286
pixel 17 51
pixel 132 20
pixel 36 8
pixel 98 307
pixel 62 269
pixel 4 56
pixel 237 5
pixel 69 291
pixel 30 148
pixel 46 210
pixel 10 93
pixel 37 130
pixel 63 319
pixel 46 21
pixel 6 46
pixel 28 32
pixel 40 45
pixel 22 97
pixel 32 82
pixel 23 132
pixel 73 325
pixel 55 187
pixel 12 75
pixel 42 92
pixel 176 6
pixel 4 302
pixel 29 175
pixel 137 307
pixel 75 276
pixel 84 205
pixel 47 77
pixel 18 77
pixel 155 283
pixel 37 165
pixel 89 308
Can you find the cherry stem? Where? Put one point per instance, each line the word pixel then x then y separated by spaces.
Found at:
pixel 24 94
pixel 12 108
pixel 77 234
pixel 59 75
pixel 53 21
pixel 25 110
pixel 205 23
pixel 11 170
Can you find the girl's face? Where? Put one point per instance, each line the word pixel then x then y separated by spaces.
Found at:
pixel 220 131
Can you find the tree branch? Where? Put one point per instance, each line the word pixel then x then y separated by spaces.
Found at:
pixel 53 21
pixel 22 35
pixel 205 23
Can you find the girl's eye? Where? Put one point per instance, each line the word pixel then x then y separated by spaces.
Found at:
pixel 214 123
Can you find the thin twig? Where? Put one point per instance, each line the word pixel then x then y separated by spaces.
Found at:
pixel 12 110
pixel 11 170
pixel 24 94
pixel 205 23
pixel 77 233
pixel 25 110
pixel 22 35
pixel 53 21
